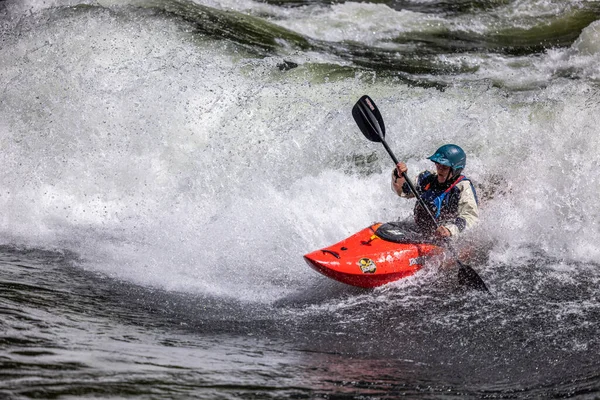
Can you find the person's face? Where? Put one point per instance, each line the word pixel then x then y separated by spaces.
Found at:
pixel 443 172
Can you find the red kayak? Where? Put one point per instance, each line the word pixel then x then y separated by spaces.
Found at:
pixel 376 255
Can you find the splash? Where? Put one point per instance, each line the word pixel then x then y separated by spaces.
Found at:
pixel 168 158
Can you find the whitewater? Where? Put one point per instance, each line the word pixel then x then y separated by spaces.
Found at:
pixel 166 164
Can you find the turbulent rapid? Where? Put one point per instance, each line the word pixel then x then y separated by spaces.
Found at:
pixel 166 164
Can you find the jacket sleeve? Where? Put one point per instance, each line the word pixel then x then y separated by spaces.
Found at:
pixel 468 211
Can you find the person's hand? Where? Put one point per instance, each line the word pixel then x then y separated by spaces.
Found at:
pixel 401 168
pixel 397 178
pixel 442 232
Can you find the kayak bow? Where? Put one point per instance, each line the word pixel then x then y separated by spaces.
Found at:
pixel 367 260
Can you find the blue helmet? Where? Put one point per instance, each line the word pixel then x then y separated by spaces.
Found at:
pixel 451 156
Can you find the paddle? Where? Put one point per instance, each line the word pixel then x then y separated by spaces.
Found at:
pixel 369 120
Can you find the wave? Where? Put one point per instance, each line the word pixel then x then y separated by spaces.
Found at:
pixel 399 42
pixel 168 157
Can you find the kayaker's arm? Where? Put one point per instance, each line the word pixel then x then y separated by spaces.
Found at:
pixel 468 211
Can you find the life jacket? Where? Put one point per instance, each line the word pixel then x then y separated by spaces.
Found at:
pixel 441 199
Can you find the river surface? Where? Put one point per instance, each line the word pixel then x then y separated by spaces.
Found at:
pixel 166 164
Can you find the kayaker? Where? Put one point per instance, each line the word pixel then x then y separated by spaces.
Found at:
pixel 449 195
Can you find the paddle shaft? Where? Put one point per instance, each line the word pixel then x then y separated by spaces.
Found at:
pixel 410 184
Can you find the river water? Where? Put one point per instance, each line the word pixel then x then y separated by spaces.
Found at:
pixel 166 164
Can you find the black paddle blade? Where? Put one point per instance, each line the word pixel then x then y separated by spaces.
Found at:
pixel 469 278
pixel 368 118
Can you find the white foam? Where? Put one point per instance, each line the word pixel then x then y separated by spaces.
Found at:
pixel 163 160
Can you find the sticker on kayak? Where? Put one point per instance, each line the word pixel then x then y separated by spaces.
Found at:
pixel 367 266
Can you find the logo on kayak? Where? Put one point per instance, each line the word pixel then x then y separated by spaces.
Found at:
pixel 367 266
